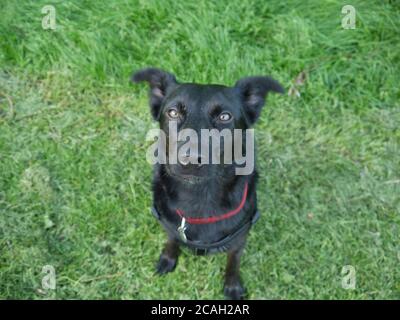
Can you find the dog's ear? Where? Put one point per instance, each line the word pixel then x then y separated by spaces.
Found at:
pixel 253 91
pixel 160 82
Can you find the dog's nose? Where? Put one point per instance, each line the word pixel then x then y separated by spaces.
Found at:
pixel 185 161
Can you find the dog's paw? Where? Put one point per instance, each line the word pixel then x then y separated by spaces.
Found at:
pixel 165 264
pixel 234 291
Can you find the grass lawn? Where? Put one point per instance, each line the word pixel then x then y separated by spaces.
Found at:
pixel 75 184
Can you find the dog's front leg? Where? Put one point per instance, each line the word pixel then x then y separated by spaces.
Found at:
pixel 233 288
pixel 169 257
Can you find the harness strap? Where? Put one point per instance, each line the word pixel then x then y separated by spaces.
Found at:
pixel 212 219
pixel 203 248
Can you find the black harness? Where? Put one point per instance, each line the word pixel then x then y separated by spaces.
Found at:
pixel 206 248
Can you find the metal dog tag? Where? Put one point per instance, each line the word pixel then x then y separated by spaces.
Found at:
pixel 181 230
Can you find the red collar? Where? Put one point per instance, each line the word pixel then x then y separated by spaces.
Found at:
pixel 213 219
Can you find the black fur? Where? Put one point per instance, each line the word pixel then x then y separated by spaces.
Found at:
pixel 209 189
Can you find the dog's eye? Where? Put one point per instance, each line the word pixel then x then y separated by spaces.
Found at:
pixel 173 113
pixel 225 116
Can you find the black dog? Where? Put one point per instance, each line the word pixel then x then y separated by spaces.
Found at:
pixel 206 207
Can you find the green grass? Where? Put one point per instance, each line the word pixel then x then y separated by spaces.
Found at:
pixel 75 185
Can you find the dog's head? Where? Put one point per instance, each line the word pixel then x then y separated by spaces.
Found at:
pixel 197 107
